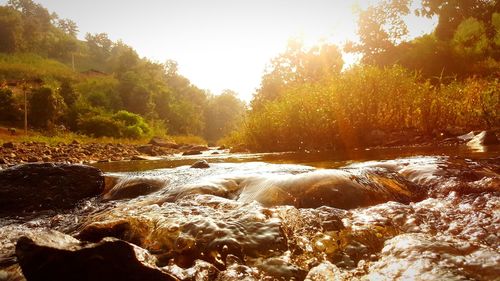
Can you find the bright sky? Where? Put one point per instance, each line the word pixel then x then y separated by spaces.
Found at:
pixel 219 44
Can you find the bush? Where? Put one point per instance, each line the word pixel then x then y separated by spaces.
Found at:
pixel 134 125
pixel 45 107
pixel 9 111
pixel 100 126
pixel 121 124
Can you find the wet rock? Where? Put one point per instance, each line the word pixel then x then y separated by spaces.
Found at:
pixel 131 188
pixel 433 257
pixel 279 268
pixel 67 259
pixel 139 158
pixel 202 164
pixel 146 149
pixel 484 138
pixel 199 147
pixel 33 159
pixel 163 143
pixel 8 145
pixel 47 186
pixel 466 137
pixel 191 152
pixel 326 271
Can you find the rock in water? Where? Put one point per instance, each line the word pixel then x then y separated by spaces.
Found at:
pixel 202 164
pixel 484 138
pixel 111 259
pixel 163 143
pixel 191 152
pixel 46 186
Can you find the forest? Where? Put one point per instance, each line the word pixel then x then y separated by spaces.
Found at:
pixel 439 83
pixel 98 87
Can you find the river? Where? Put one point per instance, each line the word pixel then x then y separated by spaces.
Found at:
pixel 414 213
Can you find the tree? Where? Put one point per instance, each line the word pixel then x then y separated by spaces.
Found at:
pixel 223 113
pixel 452 13
pixel 296 66
pixel 9 112
pixel 45 107
pixel 470 38
pixel 122 58
pixel 36 22
pixel 10 30
pixel 380 27
pixel 69 95
pixel 99 50
pixel 68 26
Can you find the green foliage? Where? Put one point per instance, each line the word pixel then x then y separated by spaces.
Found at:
pixel 100 92
pixel 470 38
pixel 121 124
pixel 31 66
pixel 69 95
pixel 9 111
pixel 495 20
pixel 38 45
pixel 100 126
pixel 344 110
pixel 45 107
pixel 296 66
pixel 223 114
pixel 462 45
pixel 134 125
pixel 10 30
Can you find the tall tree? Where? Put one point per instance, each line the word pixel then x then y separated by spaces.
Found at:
pixel 223 114
pixel 297 65
pixel 452 12
pixel 10 30
pixel 380 28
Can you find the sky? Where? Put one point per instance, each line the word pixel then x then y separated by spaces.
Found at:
pixel 219 44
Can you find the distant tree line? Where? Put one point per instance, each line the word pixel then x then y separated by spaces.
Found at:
pixel 111 81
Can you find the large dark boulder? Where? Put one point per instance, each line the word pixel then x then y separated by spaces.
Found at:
pixel 47 186
pixel 53 258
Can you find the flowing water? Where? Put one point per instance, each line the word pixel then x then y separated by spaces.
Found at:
pixel 392 214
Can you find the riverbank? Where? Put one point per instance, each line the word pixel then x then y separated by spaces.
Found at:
pixel 77 152
pixel 13 153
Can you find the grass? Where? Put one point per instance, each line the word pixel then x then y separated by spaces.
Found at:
pixel 68 137
pixel 187 139
pixel 30 66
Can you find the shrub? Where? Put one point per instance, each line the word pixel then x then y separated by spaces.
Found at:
pixel 134 125
pixel 100 126
pixel 9 111
pixel 121 124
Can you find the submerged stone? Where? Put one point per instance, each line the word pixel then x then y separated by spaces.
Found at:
pixel 47 186
pixel 202 164
pixel 50 258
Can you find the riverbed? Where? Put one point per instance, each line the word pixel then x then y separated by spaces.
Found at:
pixel 412 213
